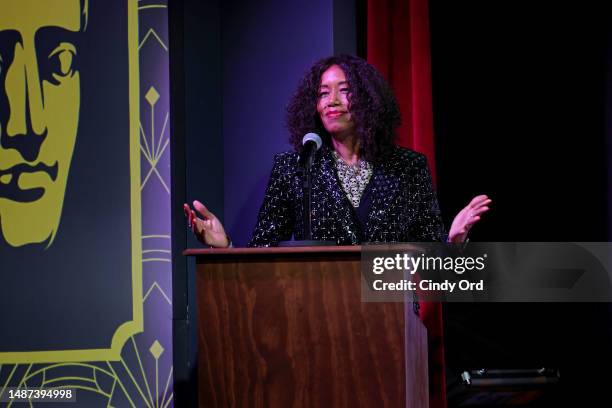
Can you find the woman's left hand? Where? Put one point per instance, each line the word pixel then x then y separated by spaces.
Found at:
pixel 467 217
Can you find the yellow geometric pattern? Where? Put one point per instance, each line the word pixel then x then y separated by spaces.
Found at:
pixel 152 32
pixel 151 148
pixel 102 378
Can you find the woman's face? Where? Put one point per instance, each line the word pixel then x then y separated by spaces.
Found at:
pixel 333 104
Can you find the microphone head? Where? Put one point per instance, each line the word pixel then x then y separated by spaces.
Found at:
pixel 312 137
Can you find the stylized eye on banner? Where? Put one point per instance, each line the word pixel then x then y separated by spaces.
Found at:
pixel 70 211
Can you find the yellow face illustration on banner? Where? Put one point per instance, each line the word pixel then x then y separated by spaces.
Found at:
pixel 39 114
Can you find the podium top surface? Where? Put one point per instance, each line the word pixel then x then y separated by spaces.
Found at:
pixel 213 252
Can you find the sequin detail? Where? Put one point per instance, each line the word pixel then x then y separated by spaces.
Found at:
pixel 354 179
pixel 404 205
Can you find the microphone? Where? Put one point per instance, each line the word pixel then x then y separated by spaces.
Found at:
pixel 310 144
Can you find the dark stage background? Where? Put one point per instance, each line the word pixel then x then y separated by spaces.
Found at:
pixel 521 113
pixel 521 109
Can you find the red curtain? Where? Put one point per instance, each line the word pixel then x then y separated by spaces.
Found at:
pixel 398 46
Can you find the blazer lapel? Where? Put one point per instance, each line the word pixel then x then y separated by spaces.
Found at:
pixel 340 205
pixel 385 188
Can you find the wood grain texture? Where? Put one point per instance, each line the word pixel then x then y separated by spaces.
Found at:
pixel 283 329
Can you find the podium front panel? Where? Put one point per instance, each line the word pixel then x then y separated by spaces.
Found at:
pixel 286 327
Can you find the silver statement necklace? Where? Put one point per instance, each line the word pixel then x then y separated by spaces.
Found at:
pixel 354 179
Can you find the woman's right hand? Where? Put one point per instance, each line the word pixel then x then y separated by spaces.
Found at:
pixel 208 229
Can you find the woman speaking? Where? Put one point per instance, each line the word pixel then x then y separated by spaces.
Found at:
pixel 364 187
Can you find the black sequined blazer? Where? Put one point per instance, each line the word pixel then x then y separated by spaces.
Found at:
pixel 404 207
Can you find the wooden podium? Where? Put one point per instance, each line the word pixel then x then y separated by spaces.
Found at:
pixel 286 327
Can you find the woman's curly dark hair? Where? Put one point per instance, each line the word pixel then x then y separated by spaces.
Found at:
pixel 373 106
